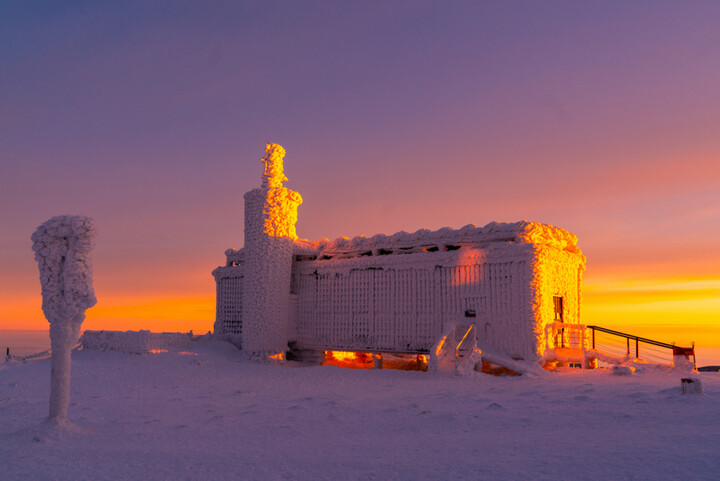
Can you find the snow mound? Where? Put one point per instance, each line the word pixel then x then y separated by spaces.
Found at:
pixel 134 342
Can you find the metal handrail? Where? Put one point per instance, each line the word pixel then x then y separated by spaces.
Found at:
pixel 469 329
pixel 677 350
pixel 38 356
pixel 465 350
pixel 630 336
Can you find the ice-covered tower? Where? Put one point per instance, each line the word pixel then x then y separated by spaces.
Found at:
pixel 270 216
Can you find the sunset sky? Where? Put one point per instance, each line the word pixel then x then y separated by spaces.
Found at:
pixel 151 117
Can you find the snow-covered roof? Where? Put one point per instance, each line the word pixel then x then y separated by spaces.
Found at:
pixel 522 232
pixel 518 232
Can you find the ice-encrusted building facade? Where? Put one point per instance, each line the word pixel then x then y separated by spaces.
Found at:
pixel 392 293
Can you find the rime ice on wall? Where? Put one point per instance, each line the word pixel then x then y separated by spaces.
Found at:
pixel 62 248
pixel 270 216
pixel 228 307
pixel 556 273
pixel 400 292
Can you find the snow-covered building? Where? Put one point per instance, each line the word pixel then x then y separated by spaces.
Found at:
pixel 393 293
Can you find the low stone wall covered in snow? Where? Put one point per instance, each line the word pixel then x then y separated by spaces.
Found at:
pixel 134 342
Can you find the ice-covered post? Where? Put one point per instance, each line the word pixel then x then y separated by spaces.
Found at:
pixel 270 216
pixel 62 248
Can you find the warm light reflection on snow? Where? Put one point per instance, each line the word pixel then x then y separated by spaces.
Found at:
pixel 343 355
pixel 467 257
pixel 367 360
pixel 353 360
pixel 157 351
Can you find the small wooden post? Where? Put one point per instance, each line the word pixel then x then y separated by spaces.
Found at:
pixel 637 348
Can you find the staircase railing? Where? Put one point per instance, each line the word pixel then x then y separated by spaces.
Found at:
pixel 652 350
pixel 466 345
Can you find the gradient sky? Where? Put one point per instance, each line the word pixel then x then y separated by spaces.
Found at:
pixel 151 117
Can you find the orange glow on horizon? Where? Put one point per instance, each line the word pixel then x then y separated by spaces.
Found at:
pixel 673 309
pixel 670 308
pixel 123 313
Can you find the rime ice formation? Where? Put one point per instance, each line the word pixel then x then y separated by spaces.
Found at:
pixel 394 293
pixel 270 215
pixel 400 292
pixel 62 248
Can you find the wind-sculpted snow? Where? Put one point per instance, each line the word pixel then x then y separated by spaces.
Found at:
pixel 134 342
pixel 62 248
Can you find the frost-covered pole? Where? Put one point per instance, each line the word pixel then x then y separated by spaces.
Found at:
pixel 270 216
pixel 62 248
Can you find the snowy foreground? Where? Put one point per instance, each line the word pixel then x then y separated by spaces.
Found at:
pixel 207 414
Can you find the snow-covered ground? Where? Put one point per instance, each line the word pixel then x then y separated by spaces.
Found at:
pixel 207 414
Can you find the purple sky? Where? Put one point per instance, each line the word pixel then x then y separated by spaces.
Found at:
pixel 151 117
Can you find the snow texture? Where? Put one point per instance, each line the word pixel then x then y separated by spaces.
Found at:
pixel 207 414
pixel 134 342
pixel 623 370
pixel 270 216
pixel 62 247
pixel 682 362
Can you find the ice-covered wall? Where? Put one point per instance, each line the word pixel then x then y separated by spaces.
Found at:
pixel 62 247
pixel 399 292
pixel 557 272
pixel 270 216
pixel 134 342
pixel 402 302
pixel 228 306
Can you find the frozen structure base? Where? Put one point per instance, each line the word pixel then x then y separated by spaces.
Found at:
pixel 394 293
pixel 691 385
pixel 134 342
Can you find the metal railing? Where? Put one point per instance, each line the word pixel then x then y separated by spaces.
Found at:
pixel 623 344
pixel 563 335
pixel 38 356
pixel 466 345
